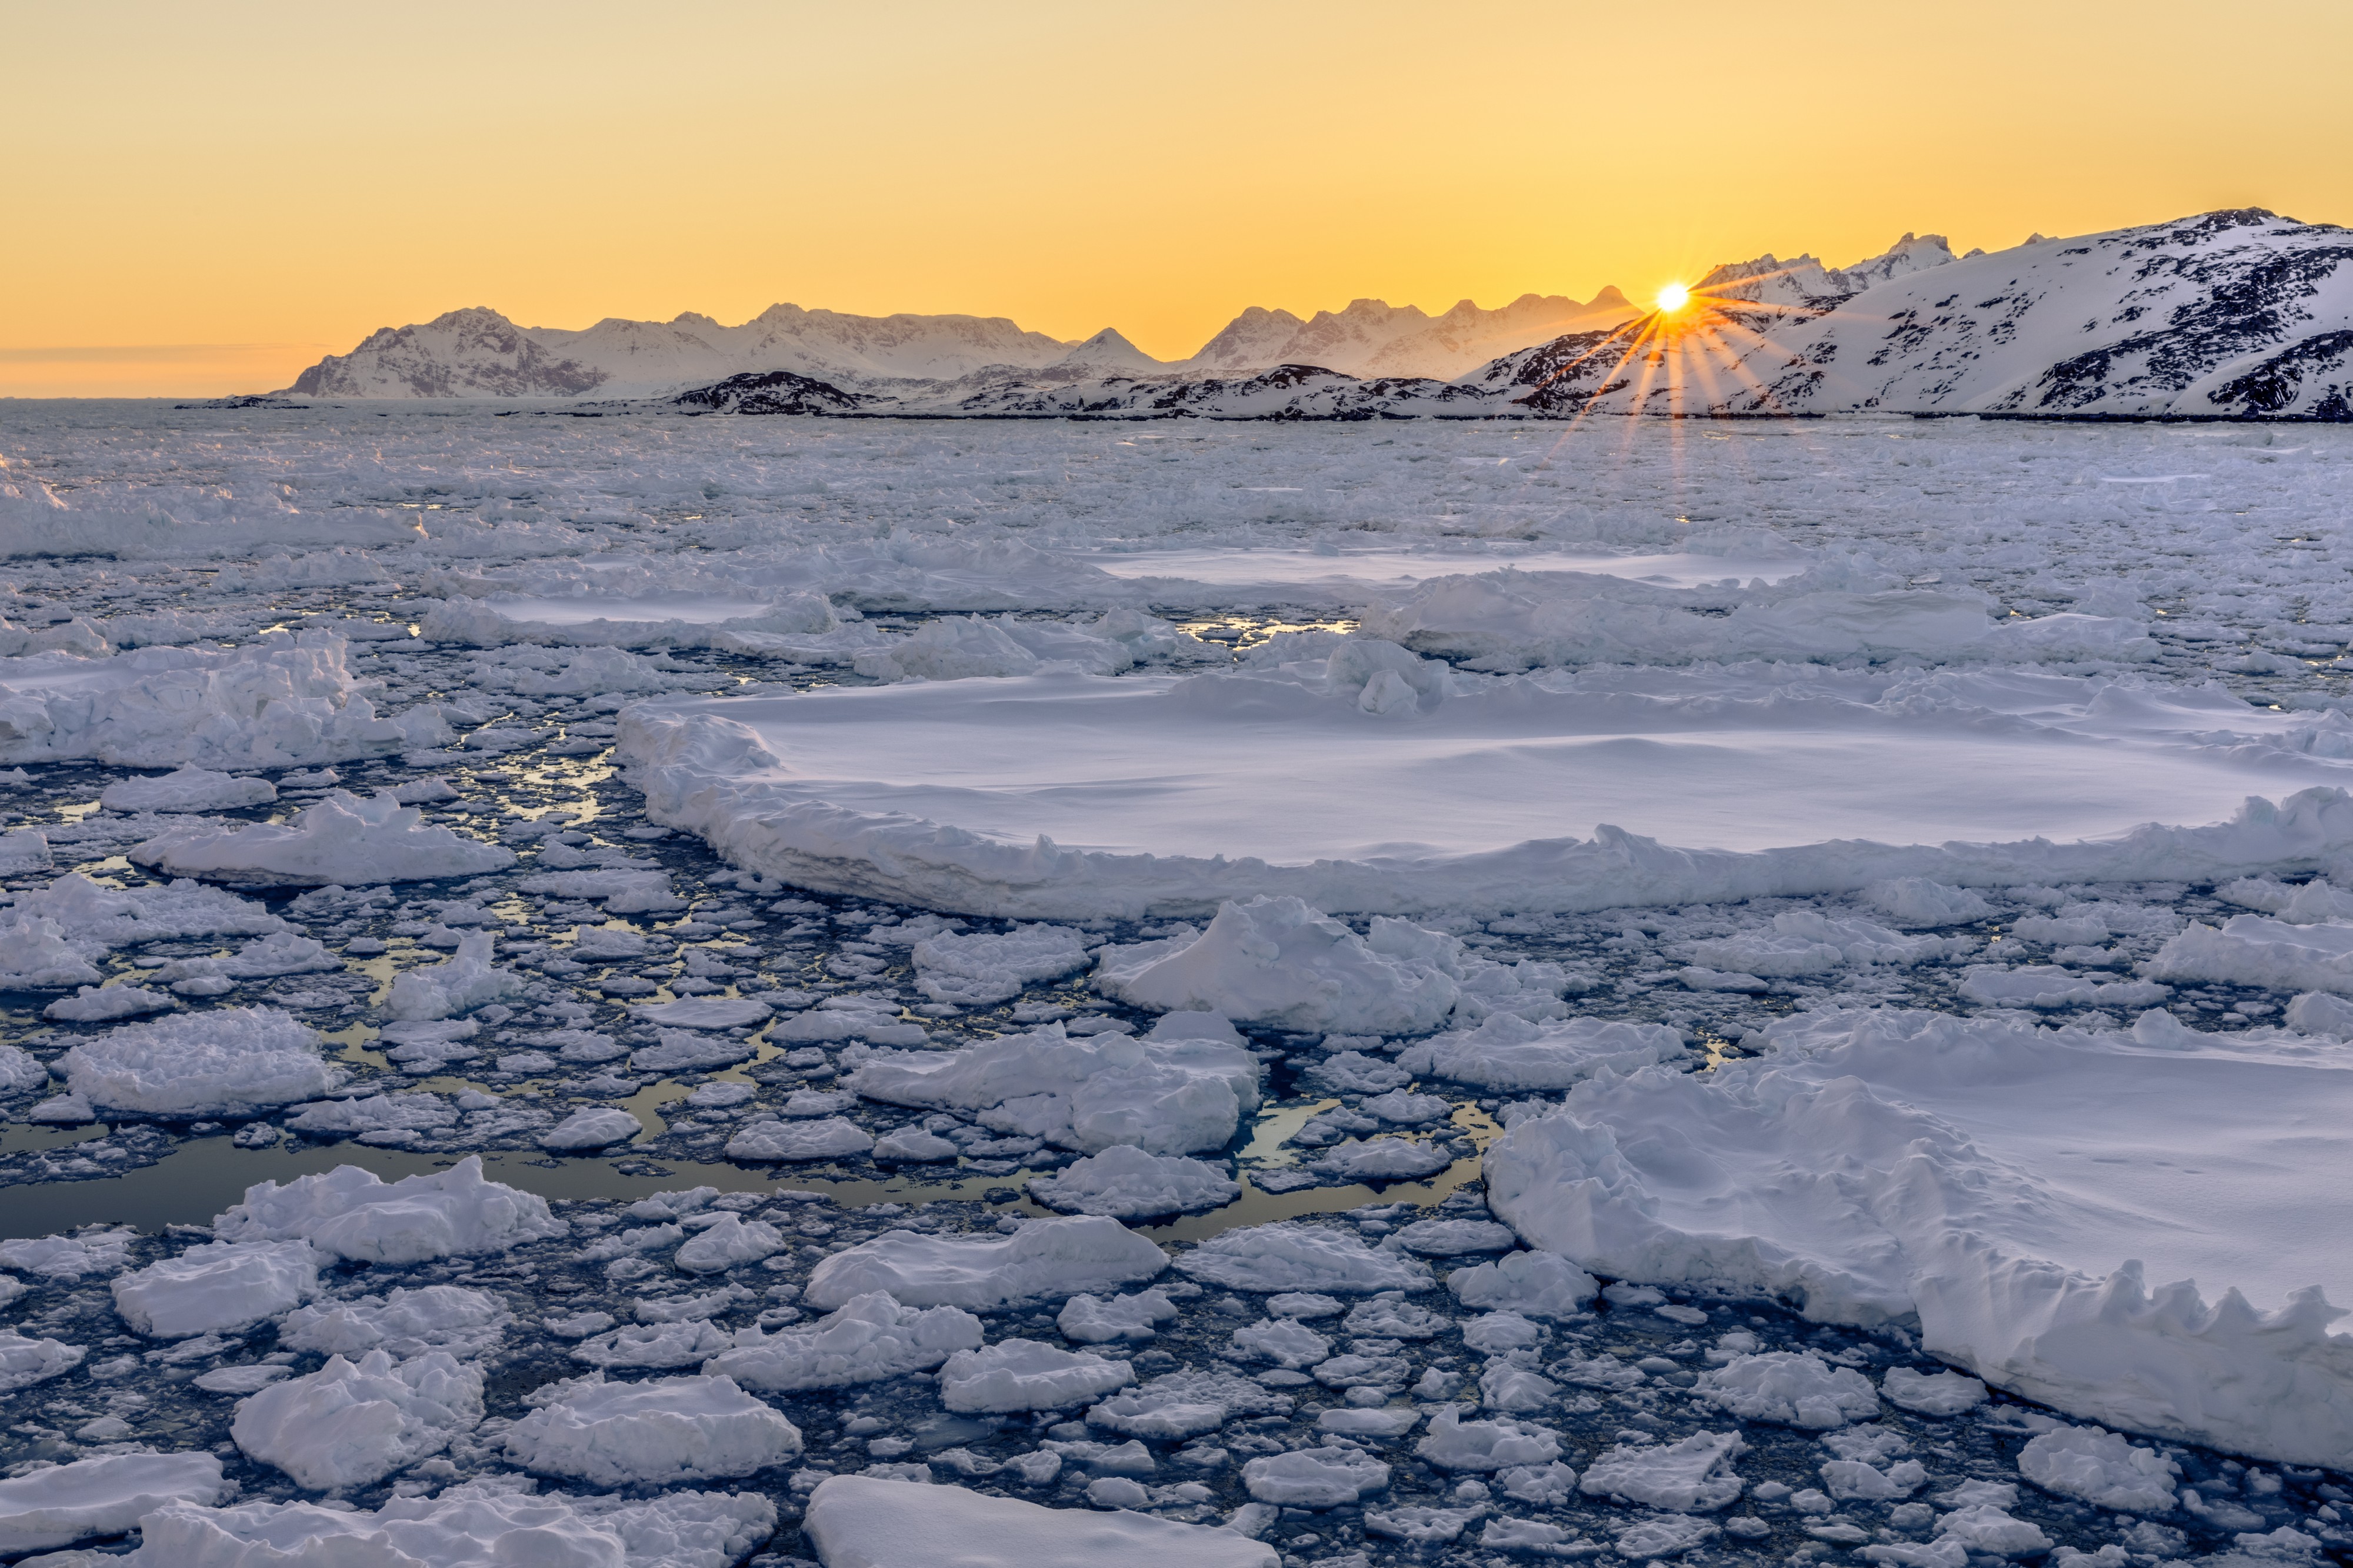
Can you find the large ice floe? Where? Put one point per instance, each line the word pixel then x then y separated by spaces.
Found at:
pixel 2031 1195
pixel 340 839
pixel 1367 779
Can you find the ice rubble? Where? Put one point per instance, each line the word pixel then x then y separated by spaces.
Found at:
pixel 1977 1172
pixel 867 1521
pixel 107 1495
pixel 1182 1089
pixel 350 1422
pixel 1076 798
pixel 657 1432
pixel 973 970
pixel 220 1061
pixel 353 1214
pixel 26 1360
pixel 1693 1475
pixel 187 788
pixel 288 701
pixel 475 1525
pixel 866 1338
pixel 1043 1259
pixel 464 981
pixel 339 839
pixel 220 1284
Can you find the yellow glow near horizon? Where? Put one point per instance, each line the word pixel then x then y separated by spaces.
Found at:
pixel 269 175
pixel 1674 298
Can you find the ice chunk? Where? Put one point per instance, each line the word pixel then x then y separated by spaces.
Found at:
pixel 1290 1255
pixel 1276 961
pixel 35 956
pixel 403 1322
pixel 225 1061
pixel 1026 1374
pixel 829 1138
pixel 727 1243
pixel 1314 1477
pixel 2101 1468
pixel 592 1127
pixel 460 983
pixel 1099 1320
pixel 1165 1096
pixel 218 1286
pixel 1182 1404
pixel 658 1431
pixel 94 1004
pixel 93 1249
pixel 104 1496
pixel 1794 1388
pixel 1285 1342
pixel 1987 1531
pixel 1044 1259
pixel 351 1214
pixel 350 1423
pixel 478 1525
pixel 1385 1158
pixel 391 1118
pixel 2251 950
pixel 976 970
pixel 1931 1394
pixel 706 1013
pixel 867 1338
pixel 1693 1476
pixel 20 1069
pixel 1508 1053
pixel 25 1360
pixel 340 838
pixel 1454 1444
pixel 188 789
pixel 681 1343
pixel 1453 1237
pixel 1535 1284
pixel 1128 1183
pixel 867 1521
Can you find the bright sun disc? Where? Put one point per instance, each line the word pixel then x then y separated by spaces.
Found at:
pixel 1674 298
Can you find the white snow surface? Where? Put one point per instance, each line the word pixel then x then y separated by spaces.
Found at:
pixel 1988 1176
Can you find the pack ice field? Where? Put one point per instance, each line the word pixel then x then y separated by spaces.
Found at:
pixel 606 987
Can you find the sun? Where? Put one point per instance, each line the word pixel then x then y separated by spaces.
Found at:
pixel 1674 298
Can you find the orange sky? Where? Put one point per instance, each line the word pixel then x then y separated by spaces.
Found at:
pixel 204 199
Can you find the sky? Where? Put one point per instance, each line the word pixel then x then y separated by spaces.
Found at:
pixel 205 199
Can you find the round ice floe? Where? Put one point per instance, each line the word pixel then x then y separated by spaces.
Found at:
pixel 2100 1467
pixel 187 790
pixel 913 1145
pixel 403 1322
pixel 96 1004
pixel 1304 1304
pixel 1314 1477
pixel 869 1337
pixel 1693 1476
pixel 220 1284
pixel 1931 1394
pixel 1651 1539
pixel 1290 1255
pixel 353 1214
pixel 1536 1284
pixel 1044 1259
pixel 105 1496
pixel 1454 1444
pixel 973 970
pixel 1389 1316
pixel 656 1345
pixel 1125 1182
pixel 1795 1388
pixel 1384 1158
pixel 1453 1237
pixel 1419 1525
pixel 668 1429
pixel 592 1127
pixel 1407 1109
pixel 831 1138
pixel 1285 1342
pixel 1098 1319
pixel 1382 1423
pixel 349 1424
pixel 1026 1374
pixel 219 1062
pixel 726 1242
pixel 25 1361
pixel 706 1013
pixel 35 956
pixel 873 1520
pixel 1915 901
pixel 467 981
pixel 1499 1333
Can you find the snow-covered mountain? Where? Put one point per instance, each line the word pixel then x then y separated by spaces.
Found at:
pixel 1374 338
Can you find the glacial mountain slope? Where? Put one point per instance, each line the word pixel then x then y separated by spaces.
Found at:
pixel 2236 314
pixel 474 352
pixel 1371 338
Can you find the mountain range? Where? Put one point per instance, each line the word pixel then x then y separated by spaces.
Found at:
pixel 2235 314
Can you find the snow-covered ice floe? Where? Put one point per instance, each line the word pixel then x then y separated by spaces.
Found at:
pixel 1367 779
pixel 2027 1193
pixel 864 1522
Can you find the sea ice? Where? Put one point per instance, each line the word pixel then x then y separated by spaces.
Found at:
pixel 1693 1476
pixel 2101 1468
pixel 866 1521
pixel 1289 1256
pixel 464 980
pixel 1533 1284
pixel 107 1495
pixel 220 1284
pixel 26 1360
pixel 353 1214
pixel 973 970
pixel 1314 1477
pixel 866 1338
pixel 658 1431
pixel 829 1138
pixel 404 1322
pixel 1128 1183
pixel 1794 1388
pixel 187 788
pixel 350 1422
pixel 223 1061
pixel 592 1127
pixel 1106 1320
pixel 1043 1259
pixel 338 839
pixel 1026 1374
